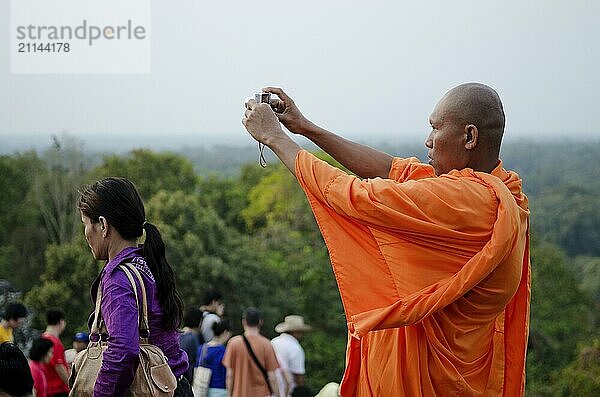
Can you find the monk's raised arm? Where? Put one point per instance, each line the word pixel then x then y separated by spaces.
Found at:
pixel 362 160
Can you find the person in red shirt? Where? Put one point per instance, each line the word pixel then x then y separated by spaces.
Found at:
pixel 40 355
pixel 57 371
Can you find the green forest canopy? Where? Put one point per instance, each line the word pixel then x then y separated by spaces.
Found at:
pixel 249 232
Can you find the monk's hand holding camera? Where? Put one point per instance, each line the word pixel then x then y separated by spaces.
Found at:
pixel 261 122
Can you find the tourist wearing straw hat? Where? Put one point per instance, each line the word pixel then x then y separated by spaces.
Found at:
pixel 289 353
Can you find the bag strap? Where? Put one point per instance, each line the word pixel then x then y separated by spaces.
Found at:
pixel 95 330
pixel 258 364
pixel 143 327
pixel 203 354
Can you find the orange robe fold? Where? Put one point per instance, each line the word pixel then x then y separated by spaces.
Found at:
pixel 434 277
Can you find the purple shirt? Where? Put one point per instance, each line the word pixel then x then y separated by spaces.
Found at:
pixel 120 314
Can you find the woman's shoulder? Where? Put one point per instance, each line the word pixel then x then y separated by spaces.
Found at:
pixel 114 277
pixel 139 262
pixel 215 353
pixel 117 274
pixel 216 347
pixel 210 346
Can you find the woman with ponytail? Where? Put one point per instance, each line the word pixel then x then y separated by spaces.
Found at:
pixel 114 219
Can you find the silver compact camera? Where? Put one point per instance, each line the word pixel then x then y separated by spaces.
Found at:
pixel 263 97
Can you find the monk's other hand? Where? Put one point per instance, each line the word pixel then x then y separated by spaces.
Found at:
pixel 260 121
pixel 286 111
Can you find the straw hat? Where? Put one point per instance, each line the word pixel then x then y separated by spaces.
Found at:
pixel 292 323
pixel 329 390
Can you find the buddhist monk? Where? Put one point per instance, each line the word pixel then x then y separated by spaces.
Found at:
pixel 431 260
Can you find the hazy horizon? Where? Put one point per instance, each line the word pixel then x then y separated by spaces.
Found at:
pixel 122 144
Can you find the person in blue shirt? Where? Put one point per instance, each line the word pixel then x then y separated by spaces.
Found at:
pixel 211 354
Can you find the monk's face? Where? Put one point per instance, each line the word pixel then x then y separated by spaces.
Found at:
pixel 446 141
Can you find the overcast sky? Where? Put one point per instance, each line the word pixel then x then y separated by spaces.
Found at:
pixel 364 69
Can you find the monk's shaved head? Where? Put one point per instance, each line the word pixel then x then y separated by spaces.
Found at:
pixel 480 105
pixel 467 125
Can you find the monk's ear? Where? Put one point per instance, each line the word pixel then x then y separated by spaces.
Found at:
pixel 472 136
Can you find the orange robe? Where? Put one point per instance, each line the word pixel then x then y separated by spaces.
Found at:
pixel 434 277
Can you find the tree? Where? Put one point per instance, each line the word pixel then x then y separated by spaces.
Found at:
pixel 204 252
pixel 570 217
pixel 150 171
pixel 229 196
pixel 560 318
pixel 587 269
pixel 22 234
pixel 582 377
pixel 55 188
pixel 15 181
pixel 65 283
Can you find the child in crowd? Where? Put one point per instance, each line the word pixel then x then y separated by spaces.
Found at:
pixel 40 355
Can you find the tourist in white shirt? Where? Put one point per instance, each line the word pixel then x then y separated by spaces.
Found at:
pixel 213 309
pixel 289 353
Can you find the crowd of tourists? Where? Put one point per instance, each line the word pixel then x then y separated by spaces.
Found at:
pixel 245 365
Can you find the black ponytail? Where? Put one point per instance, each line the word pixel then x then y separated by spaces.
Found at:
pixel 170 301
pixel 119 202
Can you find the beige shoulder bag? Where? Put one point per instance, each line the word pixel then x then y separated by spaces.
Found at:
pixel 153 376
